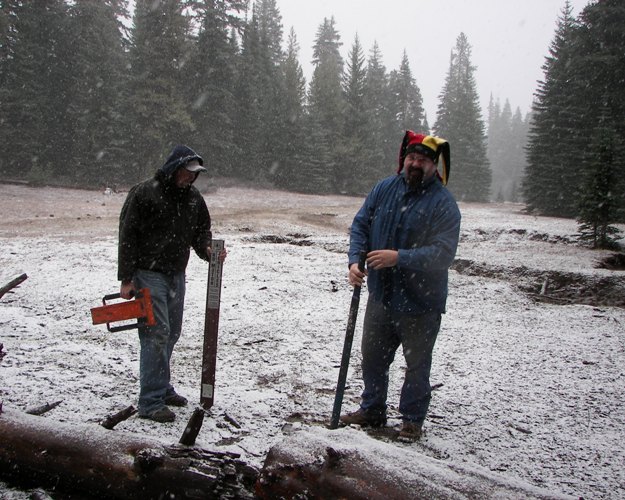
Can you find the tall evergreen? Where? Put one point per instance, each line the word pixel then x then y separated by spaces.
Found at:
pixel 358 171
pixel 407 103
pixel 159 116
pixel 459 121
pixel 425 128
pixel 210 92
pixel 274 117
pixel 326 108
pixel 598 67
pixel 493 149
pixel 248 110
pixel 261 120
pixel 35 94
pixel 97 87
pixel 601 47
pixel 548 187
pixel 378 106
pixel 507 136
pixel 516 156
pixel 600 203
pixel 580 100
pixel 292 174
pixel 8 20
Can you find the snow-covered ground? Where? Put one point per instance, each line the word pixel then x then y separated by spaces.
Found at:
pixel 530 390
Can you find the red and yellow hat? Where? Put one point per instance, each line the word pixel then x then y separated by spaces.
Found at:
pixel 428 145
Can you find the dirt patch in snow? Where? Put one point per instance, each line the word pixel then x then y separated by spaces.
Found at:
pixel 553 286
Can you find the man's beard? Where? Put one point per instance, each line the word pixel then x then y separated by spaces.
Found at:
pixel 414 177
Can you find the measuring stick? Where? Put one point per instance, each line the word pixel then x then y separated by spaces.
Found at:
pixel 211 325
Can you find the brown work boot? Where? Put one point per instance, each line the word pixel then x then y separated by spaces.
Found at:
pixel 162 415
pixel 410 431
pixel 175 399
pixel 364 418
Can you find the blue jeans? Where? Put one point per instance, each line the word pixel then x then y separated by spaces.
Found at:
pixel 157 342
pixel 383 332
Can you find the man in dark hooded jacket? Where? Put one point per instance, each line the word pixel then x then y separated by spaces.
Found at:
pixel 409 226
pixel 161 220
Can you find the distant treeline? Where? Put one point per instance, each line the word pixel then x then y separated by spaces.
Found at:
pixel 87 101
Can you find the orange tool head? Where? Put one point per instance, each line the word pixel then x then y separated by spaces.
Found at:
pixel 139 308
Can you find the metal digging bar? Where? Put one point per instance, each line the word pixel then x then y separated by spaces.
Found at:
pixel 347 347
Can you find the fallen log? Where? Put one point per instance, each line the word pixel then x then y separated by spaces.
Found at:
pixel 44 408
pixel 12 284
pixel 112 420
pixel 347 463
pixel 37 452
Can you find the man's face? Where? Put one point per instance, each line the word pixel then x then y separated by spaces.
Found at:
pixel 183 178
pixel 417 169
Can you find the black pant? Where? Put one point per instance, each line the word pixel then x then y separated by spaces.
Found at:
pixel 384 330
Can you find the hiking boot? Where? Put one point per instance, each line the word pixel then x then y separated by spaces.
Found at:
pixel 410 431
pixel 364 418
pixel 161 415
pixel 175 399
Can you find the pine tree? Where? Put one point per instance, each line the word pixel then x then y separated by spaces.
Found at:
pixel 501 150
pixel 407 103
pixel 357 172
pixel 210 90
pixel 8 21
pixel 34 96
pixel 98 69
pixel 459 121
pixel 326 109
pixel 600 202
pixel 293 175
pixel 378 107
pixel 583 84
pixel 248 113
pixel 425 128
pixel 159 117
pixel 274 116
pixel 516 151
pixel 492 149
pixel 262 119
pixel 548 187
pixel 598 66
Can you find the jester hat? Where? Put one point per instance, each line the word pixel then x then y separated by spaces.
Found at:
pixel 430 146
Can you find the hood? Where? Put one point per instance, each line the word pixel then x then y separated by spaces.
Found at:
pixel 179 157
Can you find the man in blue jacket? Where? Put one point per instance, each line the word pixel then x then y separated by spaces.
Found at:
pixel 161 220
pixel 409 225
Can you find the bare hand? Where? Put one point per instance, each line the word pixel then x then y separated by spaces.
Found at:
pixel 356 276
pixel 222 254
pixel 127 290
pixel 379 259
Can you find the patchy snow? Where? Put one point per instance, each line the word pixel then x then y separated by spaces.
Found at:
pixel 528 390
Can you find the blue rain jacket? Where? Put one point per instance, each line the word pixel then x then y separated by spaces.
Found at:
pixel 424 226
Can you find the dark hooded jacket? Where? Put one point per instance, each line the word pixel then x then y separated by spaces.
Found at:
pixel 159 222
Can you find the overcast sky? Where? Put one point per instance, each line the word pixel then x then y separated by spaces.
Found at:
pixel 509 39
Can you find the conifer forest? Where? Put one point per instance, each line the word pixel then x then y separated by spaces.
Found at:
pixel 94 95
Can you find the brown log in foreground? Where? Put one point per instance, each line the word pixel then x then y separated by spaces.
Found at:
pixel 87 458
pixel 346 463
